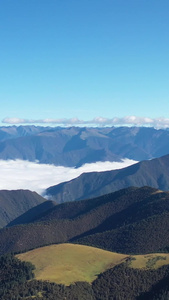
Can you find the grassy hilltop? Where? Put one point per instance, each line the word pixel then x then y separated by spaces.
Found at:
pixel 69 263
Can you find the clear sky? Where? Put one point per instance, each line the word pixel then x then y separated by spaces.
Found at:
pixel 64 59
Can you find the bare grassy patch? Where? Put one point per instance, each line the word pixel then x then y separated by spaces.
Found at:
pixel 150 261
pixel 68 263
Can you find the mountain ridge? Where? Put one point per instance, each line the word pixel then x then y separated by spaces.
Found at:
pixel 75 146
pixel 16 202
pixel 154 173
pixel 131 221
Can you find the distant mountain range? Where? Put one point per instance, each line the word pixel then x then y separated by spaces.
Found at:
pixel 154 173
pixel 75 146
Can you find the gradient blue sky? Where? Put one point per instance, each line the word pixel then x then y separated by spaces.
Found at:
pixel 84 59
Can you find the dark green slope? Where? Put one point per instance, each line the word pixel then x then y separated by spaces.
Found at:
pixel 15 203
pixel 74 209
pixel 117 200
pixel 133 220
pixel 154 173
pixel 125 283
pixel 146 236
pixel 32 214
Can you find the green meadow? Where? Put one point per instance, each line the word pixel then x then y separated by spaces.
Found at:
pixel 69 263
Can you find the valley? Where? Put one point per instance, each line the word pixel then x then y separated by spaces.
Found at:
pixel 102 235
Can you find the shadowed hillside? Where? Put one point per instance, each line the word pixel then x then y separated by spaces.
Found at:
pixel 154 173
pixel 132 220
pixel 15 203
pixel 32 214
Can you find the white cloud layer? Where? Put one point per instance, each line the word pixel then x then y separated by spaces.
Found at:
pixel 20 174
pixel 98 121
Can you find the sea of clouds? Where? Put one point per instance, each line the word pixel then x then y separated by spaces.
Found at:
pixel 21 174
pixel 98 121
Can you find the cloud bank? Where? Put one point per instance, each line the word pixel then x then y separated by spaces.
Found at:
pixel 98 121
pixel 19 174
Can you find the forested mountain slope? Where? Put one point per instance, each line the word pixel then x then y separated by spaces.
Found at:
pixel 133 220
pixel 15 203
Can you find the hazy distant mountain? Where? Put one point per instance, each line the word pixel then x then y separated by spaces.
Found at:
pixel 75 146
pixel 15 203
pixel 10 132
pixel 154 173
pixel 133 220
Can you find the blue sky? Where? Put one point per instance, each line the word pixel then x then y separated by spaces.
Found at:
pixel 62 61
